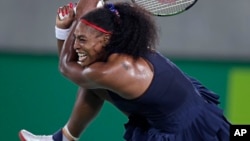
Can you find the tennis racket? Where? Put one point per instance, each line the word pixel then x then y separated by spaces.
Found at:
pixel 161 7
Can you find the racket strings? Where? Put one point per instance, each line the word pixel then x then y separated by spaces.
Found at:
pixel 157 7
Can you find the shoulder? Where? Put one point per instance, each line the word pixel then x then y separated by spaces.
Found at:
pixel 128 63
pixel 132 76
pixel 118 57
pixel 124 75
pixel 103 73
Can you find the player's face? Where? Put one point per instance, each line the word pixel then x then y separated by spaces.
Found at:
pixel 89 44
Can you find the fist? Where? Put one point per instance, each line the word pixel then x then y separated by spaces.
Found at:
pixel 65 16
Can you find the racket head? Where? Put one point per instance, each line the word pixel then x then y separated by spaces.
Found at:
pixel 165 7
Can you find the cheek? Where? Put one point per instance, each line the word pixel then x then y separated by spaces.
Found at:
pixel 98 48
pixel 98 52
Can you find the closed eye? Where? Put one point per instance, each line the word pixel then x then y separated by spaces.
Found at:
pixel 80 39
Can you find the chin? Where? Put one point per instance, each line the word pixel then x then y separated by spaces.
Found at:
pixel 80 63
pixel 84 63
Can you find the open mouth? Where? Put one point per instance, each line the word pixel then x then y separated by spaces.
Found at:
pixel 81 57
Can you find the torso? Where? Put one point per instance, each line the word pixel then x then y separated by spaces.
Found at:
pixel 167 106
pixel 168 90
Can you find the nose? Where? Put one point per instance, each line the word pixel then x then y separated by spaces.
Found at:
pixel 76 45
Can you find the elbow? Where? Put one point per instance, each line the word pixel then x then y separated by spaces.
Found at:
pixel 62 68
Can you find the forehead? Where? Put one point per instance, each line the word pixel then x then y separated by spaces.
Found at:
pixel 83 29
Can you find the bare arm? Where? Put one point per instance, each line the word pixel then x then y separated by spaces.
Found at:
pixel 67 55
pixel 94 74
pixel 87 104
pixel 82 8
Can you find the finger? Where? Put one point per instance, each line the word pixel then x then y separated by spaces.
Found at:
pixel 59 13
pixel 71 5
pixel 71 10
pixel 63 12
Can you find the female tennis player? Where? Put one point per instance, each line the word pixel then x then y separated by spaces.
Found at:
pixel 111 55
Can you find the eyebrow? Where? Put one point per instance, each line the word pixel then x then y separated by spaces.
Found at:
pixel 79 36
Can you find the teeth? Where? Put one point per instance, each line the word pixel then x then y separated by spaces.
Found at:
pixel 81 54
pixel 81 57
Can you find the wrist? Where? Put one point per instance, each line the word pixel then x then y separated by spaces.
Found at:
pixel 62 34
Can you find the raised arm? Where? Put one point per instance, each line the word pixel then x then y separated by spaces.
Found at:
pixel 65 45
pixel 87 103
pixel 82 7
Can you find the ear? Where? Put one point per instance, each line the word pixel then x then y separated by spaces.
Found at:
pixel 106 39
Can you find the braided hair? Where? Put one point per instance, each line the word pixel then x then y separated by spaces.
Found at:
pixel 133 28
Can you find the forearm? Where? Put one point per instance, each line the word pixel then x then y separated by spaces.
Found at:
pixel 68 36
pixel 86 108
pixel 68 65
pixel 68 57
pixel 84 6
pixel 59 46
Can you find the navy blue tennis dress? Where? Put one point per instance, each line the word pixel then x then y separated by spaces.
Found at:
pixel 175 107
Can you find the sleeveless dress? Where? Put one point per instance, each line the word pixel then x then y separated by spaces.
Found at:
pixel 175 107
